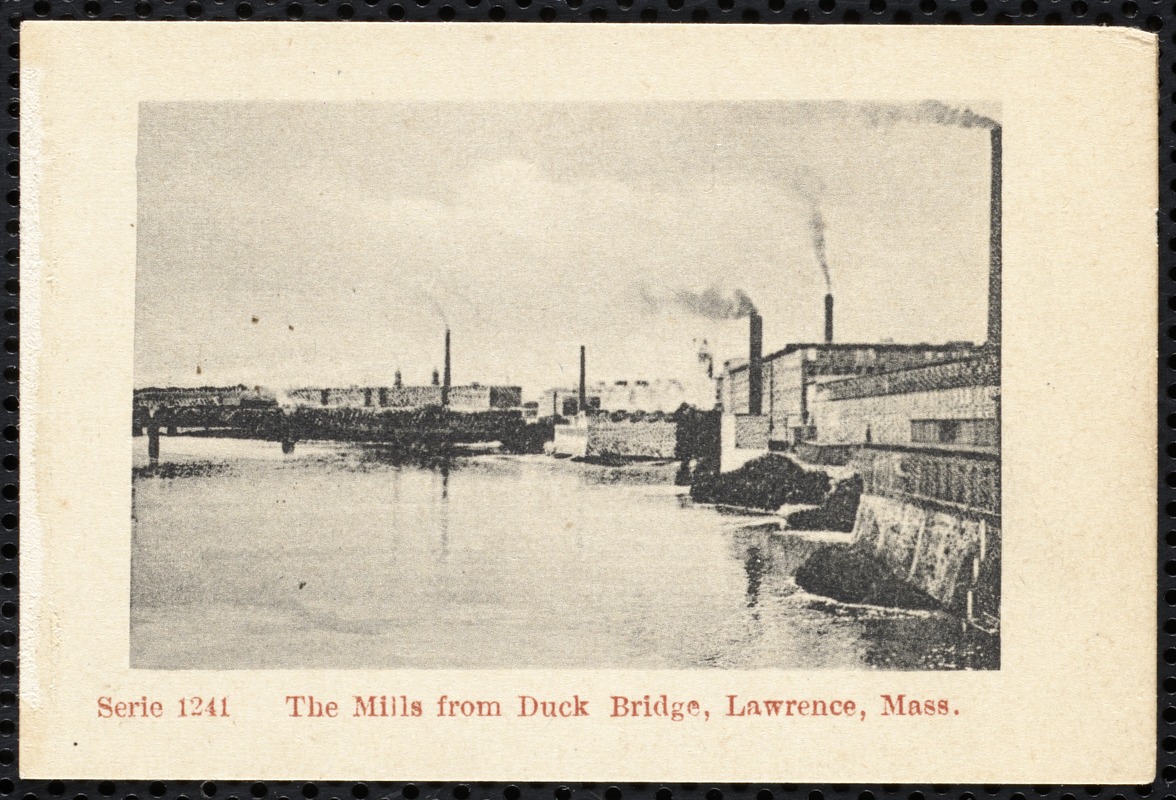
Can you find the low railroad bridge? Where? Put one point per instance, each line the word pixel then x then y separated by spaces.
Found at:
pixel 238 412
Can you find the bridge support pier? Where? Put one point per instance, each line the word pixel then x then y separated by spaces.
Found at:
pixel 153 445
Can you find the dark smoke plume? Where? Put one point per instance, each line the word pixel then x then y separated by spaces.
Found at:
pixel 712 302
pixel 811 188
pixel 932 112
pixel 817 224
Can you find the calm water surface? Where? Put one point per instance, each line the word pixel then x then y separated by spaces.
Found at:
pixel 335 558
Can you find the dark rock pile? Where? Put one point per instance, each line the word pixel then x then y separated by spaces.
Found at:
pixel 837 513
pixel 765 483
pixel 849 575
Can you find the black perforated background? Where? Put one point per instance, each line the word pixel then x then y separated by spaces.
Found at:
pixel 1153 15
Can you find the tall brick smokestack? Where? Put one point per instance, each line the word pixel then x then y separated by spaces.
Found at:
pixel 994 244
pixel 755 365
pixel 447 377
pixel 828 319
pixel 583 378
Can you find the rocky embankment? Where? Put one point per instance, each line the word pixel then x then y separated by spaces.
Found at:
pixel 849 573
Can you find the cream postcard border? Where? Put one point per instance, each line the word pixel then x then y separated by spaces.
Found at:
pixel 1075 698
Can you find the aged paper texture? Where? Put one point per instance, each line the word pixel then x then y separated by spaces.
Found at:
pixel 626 403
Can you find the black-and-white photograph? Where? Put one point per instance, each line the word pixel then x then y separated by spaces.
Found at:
pixel 623 385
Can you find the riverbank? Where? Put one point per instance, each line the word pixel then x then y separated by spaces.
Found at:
pixel 903 552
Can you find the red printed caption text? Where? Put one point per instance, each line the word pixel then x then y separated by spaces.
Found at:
pixel 147 708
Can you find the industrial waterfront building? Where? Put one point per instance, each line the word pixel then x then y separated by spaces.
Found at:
pixel 470 398
pixel 694 387
pixel 790 381
pixel 951 405
pixel 920 426
pixel 918 423
pixel 637 395
pixel 624 419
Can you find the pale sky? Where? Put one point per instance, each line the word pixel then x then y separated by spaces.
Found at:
pixel 352 232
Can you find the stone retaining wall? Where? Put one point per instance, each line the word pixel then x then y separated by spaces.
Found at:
pixel 951 556
pixel 599 437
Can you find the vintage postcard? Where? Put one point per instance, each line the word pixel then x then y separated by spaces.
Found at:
pixel 588 403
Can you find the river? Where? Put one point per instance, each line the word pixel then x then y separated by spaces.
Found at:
pixel 336 557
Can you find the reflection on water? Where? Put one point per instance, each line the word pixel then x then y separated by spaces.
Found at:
pixel 335 557
pixel 754 565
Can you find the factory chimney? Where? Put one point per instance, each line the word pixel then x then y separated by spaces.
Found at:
pixel 583 379
pixel 829 319
pixel 446 379
pixel 994 244
pixel 755 365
